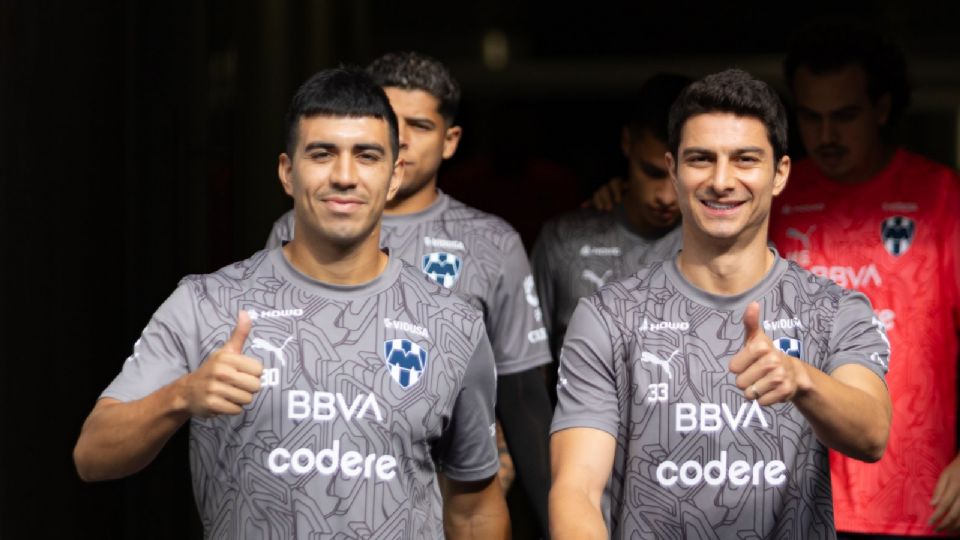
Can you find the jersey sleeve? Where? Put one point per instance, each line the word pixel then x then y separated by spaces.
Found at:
pixel 515 321
pixel 858 337
pixel 282 231
pixel 543 277
pixel 164 351
pixel 468 446
pixel 587 389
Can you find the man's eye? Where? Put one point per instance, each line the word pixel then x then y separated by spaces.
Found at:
pixel 368 157
pixel 320 156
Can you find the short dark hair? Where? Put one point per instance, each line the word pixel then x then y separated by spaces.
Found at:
pixel 413 71
pixel 824 46
pixel 651 105
pixel 345 92
pixel 732 91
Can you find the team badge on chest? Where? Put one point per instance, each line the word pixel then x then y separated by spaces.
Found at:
pixel 442 267
pixel 406 361
pixel 789 346
pixel 897 234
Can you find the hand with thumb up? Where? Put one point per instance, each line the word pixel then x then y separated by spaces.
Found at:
pixel 764 373
pixel 226 380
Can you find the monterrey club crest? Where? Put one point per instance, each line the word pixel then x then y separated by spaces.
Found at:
pixel 789 346
pixel 406 361
pixel 442 267
pixel 897 234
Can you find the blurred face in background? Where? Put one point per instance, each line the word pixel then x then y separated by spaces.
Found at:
pixel 650 197
pixel 840 122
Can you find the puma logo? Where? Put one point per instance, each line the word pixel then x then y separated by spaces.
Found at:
pixel 592 277
pixel 804 238
pixel 664 364
pixel 265 345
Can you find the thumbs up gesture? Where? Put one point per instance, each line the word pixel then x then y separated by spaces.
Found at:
pixel 764 373
pixel 227 380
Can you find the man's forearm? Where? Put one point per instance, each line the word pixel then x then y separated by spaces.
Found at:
pixel 474 510
pixel 119 439
pixel 845 418
pixel 523 399
pixel 573 516
pixel 492 523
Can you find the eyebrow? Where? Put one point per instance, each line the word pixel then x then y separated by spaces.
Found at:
pixel 360 147
pixel 652 169
pixel 419 120
pixel 693 150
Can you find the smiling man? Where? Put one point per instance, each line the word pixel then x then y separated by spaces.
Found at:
pixel 478 256
pixel 323 379
pixel 698 397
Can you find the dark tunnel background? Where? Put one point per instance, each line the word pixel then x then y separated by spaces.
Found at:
pixel 139 143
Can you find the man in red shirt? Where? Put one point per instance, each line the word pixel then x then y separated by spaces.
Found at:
pixel 886 222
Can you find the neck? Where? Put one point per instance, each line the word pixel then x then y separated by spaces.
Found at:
pixel 634 215
pixel 874 162
pixel 724 267
pixel 335 264
pixel 417 201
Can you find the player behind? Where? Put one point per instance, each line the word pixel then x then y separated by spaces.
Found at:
pixel 477 255
pixel 698 397
pixel 886 222
pixel 321 379
pixel 577 253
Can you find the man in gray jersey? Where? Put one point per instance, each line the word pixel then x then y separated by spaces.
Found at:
pixel 711 385
pixel 476 255
pixel 323 380
pixel 579 252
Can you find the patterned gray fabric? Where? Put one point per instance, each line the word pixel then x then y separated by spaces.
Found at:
pixel 363 387
pixel 646 360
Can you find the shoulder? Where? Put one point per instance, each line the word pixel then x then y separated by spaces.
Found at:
pixel 579 220
pixel 820 293
pixel 619 298
pixel 433 298
pixel 481 226
pixel 229 281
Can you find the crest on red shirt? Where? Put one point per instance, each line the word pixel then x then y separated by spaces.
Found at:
pixel 897 233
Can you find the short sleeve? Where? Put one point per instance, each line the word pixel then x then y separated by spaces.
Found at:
pixel 587 387
pixel 858 337
pixel 164 351
pixel 515 321
pixel 282 231
pixel 468 449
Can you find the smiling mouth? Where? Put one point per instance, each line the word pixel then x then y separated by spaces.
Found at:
pixel 342 205
pixel 722 206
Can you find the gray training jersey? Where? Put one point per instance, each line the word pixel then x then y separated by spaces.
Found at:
pixel 363 388
pixel 646 360
pixel 481 258
pixel 581 251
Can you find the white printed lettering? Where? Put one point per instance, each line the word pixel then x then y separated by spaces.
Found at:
pixel 329 461
pixel 707 417
pixel 327 405
pixel 715 472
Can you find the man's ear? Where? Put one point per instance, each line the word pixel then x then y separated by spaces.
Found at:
pixel 451 139
pixel 781 175
pixel 396 179
pixel 671 167
pixel 285 172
